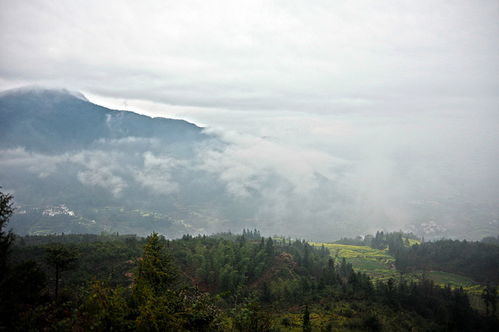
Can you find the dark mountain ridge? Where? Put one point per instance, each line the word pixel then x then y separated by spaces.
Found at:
pixel 53 121
pixel 112 170
pixel 118 171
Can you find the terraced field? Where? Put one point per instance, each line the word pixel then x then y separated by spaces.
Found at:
pixel 455 280
pixel 380 265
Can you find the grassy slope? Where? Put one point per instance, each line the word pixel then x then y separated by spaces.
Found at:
pixel 349 316
pixel 380 265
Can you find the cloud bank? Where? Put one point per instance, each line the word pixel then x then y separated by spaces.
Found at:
pixel 379 114
pixel 286 55
pixel 348 175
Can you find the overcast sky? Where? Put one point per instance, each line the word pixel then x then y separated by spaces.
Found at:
pixel 308 56
pixel 406 92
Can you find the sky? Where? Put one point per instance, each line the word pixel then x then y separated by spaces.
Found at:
pixel 321 58
pixel 404 92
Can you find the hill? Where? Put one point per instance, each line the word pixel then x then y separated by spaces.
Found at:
pixel 75 167
pixel 50 120
pixel 380 264
pixel 224 282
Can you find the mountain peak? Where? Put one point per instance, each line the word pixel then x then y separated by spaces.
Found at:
pixel 55 120
pixel 37 90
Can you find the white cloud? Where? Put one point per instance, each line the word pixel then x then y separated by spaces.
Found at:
pixel 319 57
pixel 41 165
pixel 348 110
pixel 250 164
pixel 155 174
pixel 104 178
pixel 115 166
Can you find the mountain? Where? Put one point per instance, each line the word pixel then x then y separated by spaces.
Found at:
pixel 49 120
pixel 74 166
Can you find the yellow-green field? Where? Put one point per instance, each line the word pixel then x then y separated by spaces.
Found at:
pixel 413 242
pixel 380 265
pixel 344 316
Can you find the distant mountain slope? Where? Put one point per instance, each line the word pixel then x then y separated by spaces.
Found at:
pixel 48 120
pixel 114 170
pixel 119 171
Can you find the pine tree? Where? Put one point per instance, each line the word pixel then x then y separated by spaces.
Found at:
pixel 306 320
pixel 489 296
pixel 61 258
pixel 6 237
pixel 156 268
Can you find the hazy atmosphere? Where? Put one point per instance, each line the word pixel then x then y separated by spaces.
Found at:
pixel 333 118
pixel 249 166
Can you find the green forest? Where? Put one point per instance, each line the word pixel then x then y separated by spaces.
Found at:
pixel 241 282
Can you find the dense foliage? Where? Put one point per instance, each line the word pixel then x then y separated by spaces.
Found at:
pixel 491 240
pixel 477 260
pixel 224 282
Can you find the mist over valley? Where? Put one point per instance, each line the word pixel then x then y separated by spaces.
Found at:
pixel 77 167
pixel 249 166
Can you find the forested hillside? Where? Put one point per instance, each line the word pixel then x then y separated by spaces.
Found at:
pixel 479 261
pixel 249 166
pixel 476 260
pixel 224 282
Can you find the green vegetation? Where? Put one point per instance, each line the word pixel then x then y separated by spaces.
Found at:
pixel 224 282
pixel 475 260
pixel 454 280
pixel 227 282
pixel 376 263
pixel 379 264
pixel 38 221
